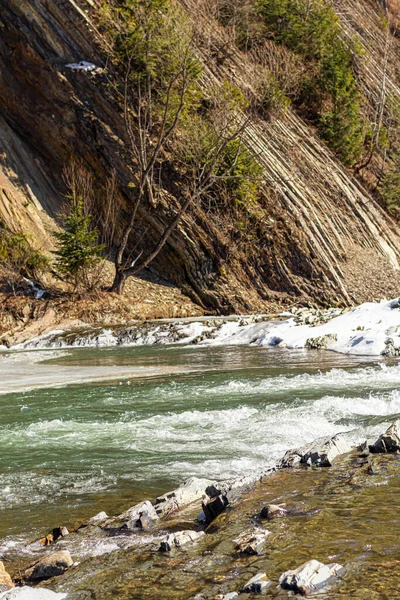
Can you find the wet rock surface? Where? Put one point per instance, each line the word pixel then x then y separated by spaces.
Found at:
pixel 321 452
pixel 179 539
pixel 310 577
pixel 257 584
pixel 273 511
pixel 49 566
pixel 388 441
pixel 213 507
pixel 192 490
pixel 5 579
pixel 140 516
pixel 341 501
pixel 251 542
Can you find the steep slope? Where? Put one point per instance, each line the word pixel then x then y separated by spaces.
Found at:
pixel 321 237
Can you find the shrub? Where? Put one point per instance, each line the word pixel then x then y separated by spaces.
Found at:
pixel 19 259
pixel 390 189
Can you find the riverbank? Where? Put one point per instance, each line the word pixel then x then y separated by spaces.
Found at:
pixel 371 329
pixel 23 316
pixel 261 526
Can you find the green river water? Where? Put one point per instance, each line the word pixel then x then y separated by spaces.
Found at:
pixel 69 451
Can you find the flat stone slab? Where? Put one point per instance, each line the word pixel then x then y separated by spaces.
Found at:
pixel 48 566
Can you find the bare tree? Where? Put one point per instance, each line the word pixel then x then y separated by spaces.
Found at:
pixel 160 71
pixel 381 104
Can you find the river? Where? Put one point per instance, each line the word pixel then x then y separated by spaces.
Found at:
pixel 142 419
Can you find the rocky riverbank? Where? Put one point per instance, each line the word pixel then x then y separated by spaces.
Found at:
pixel 295 529
pixel 371 329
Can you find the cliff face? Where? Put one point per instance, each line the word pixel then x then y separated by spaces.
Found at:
pixel 322 236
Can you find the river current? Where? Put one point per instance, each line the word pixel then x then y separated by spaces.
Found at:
pixel 142 419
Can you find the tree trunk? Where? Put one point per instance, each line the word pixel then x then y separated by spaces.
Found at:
pixel 119 282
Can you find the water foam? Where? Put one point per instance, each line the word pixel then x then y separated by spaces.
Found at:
pixel 229 429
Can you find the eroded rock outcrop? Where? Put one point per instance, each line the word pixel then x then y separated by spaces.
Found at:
pixel 251 542
pixel 140 516
pixel 257 584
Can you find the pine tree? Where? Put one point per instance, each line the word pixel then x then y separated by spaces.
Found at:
pixel 78 248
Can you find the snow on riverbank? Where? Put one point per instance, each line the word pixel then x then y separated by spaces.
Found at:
pixel 368 330
pixel 371 329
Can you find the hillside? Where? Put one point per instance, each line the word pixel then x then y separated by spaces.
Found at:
pixel 317 232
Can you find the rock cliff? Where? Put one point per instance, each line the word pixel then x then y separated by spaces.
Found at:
pixel 321 236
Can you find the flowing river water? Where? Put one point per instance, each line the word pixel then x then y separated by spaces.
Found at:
pixel 141 420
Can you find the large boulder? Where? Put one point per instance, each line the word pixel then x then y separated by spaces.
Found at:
pixel 179 539
pixel 320 453
pixel 388 441
pixel 5 579
pixel 251 542
pixel 310 577
pixel 193 489
pixel 28 593
pixel 49 566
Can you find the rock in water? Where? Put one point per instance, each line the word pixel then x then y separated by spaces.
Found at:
pixel 257 584
pixel 176 540
pixel 5 579
pixel 231 489
pixel 214 507
pixel 99 518
pixel 320 453
pixel 140 516
pixel 310 577
pixel 28 593
pixel 49 566
pixel 272 511
pixel 251 542
pixel 388 441
pixel 193 489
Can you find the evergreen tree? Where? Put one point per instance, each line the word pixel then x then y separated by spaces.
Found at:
pixel 78 248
